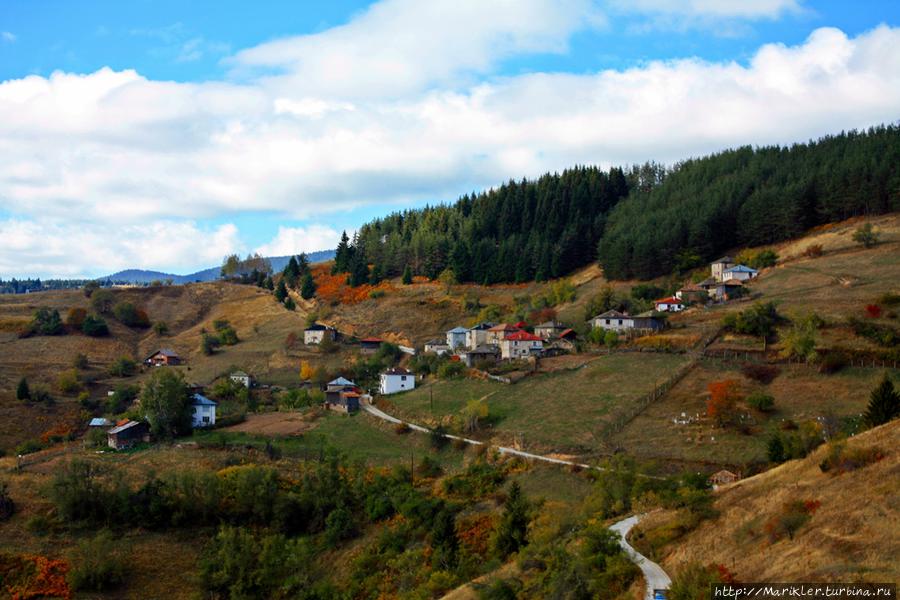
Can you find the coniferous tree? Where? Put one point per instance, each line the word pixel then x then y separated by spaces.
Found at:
pixel 775 449
pixel 308 286
pixel 512 530
pixel 281 291
pixel 884 404
pixel 342 255
pixel 22 390
pixel 407 275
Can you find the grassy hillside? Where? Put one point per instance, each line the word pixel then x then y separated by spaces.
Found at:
pixel 853 534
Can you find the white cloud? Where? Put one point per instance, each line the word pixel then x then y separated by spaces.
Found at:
pixel 744 9
pixel 117 156
pixel 294 240
pixel 8 37
pixel 30 247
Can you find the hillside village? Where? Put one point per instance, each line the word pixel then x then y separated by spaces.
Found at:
pixel 581 373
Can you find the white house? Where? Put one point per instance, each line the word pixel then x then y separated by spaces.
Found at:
pixel 204 414
pixel 397 380
pixel 437 346
pixel 477 335
pixel 670 304
pixel 613 319
pixel 315 333
pixel 456 338
pixel 242 378
pixel 739 272
pixel 520 345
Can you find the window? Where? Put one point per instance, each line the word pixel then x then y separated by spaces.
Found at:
pixel 206 419
pixel 403 378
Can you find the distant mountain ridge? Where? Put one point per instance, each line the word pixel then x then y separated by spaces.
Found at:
pixel 139 276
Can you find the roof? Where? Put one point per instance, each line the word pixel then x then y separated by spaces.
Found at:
pixel 458 330
pixel 239 374
pixel 504 327
pixel 122 428
pixel 99 422
pixel 709 281
pixel 523 336
pixel 341 381
pixel 165 352
pixel 669 300
pixel 732 283
pixel 436 342
pixel 397 371
pixel 370 340
pixel 318 327
pixel 724 260
pixel 482 326
pixel 349 395
pixel 521 324
pixel 550 325
pixel 568 333
pixel 201 400
pixel 611 314
pixel 741 269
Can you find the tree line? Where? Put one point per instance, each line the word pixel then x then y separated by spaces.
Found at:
pixel 642 222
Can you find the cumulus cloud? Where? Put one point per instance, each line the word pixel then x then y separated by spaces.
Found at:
pixel 29 248
pixel 115 154
pixel 294 240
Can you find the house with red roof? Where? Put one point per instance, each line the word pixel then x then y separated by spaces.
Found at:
pixel 498 333
pixel 520 345
pixel 670 304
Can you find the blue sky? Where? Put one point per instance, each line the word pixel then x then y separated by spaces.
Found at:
pixel 212 127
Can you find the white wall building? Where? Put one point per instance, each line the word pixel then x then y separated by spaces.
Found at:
pixel 204 411
pixel 242 378
pixel 315 333
pixel 520 345
pixel 456 338
pixel 397 380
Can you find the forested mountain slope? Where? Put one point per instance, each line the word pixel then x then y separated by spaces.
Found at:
pixel 750 197
pixel 642 222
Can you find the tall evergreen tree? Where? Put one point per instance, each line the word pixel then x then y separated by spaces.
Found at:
pixel 512 530
pixel 281 291
pixel 22 390
pixel 407 275
pixel 884 404
pixel 342 255
pixel 308 286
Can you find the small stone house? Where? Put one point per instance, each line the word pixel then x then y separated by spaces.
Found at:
pixel 477 335
pixel 692 293
pixel 242 378
pixel 498 333
pixel 456 338
pixel 727 290
pixel 614 320
pixel 127 435
pixel 718 267
pixel 521 345
pixel 723 477
pixel 549 330
pixel 370 345
pixel 437 346
pixel 317 332
pixel 483 353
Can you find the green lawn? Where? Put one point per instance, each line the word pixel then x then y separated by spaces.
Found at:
pixel 562 411
pixel 360 437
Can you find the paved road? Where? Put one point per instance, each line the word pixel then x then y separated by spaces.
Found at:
pixel 655 577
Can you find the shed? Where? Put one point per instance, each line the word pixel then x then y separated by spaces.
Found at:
pixel 128 434
pixel 370 345
pixel 163 357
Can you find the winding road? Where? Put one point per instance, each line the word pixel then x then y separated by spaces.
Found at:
pixel 655 577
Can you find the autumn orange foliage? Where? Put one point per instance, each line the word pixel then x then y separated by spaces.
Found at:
pixel 723 395
pixel 27 577
pixel 334 289
pixel 475 533
pixel 56 433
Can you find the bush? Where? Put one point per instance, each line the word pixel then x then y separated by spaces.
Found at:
pixel 102 301
pixel 833 362
pixel 841 459
pixel 866 235
pixel 94 326
pixel 889 299
pixel 127 314
pixel 764 374
pixel 437 437
pixel 121 398
pixel 693 581
pixel 225 332
pixel 98 564
pixel 160 328
pixel 46 322
pixel 208 344
pixel 22 390
pixel 375 294
pixel 75 318
pixel 761 402
pixel 69 382
pixel 80 361
pixel 451 369
pixel 813 251
pixel 123 367
pixel 29 447
pixel 793 516
pixel 7 506
pixel 402 428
